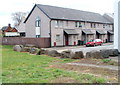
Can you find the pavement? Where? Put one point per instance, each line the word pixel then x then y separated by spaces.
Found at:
pixel 81 48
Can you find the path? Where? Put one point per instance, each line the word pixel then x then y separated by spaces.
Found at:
pixel 98 66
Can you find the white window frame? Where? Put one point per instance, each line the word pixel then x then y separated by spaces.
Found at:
pixel 56 23
pixel 57 37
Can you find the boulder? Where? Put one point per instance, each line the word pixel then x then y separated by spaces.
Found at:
pixel 18 48
pixel 94 54
pixel 26 49
pixel 41 52
pixel 66 54
pixel 53 53
pixel 77 55
pixel 113 52
pixel 34 51
pixel 105 53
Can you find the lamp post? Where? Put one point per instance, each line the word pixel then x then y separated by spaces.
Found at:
pixel 117 25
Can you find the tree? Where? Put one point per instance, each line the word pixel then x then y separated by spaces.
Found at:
pixel 18 17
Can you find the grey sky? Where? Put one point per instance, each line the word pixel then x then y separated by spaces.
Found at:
pixel 7 7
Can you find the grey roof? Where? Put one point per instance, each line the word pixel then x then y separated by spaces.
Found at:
pixel 70 31
pixel 54 12
pixel 101 31
pixel 87 31
pixel 4 28
pixel 109 17
pixel 110 31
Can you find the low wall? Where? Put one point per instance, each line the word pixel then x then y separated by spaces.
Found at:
pixel 39 42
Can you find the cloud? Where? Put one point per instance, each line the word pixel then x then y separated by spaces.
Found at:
pixel 7 7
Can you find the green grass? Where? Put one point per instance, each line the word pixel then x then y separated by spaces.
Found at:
pixel 25 68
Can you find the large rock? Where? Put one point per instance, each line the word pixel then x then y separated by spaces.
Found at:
pixel 42 52
pixel 66 54
pixel 94 54
pixel 105 53
pixel 53 53
pixel 26 49
pixel 77 55
pixel 113 52
pixel 18 48
pixel 34 51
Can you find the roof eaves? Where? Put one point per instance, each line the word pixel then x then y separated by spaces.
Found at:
pixel 83 21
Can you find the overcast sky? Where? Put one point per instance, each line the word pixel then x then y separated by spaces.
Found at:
pixel 7 7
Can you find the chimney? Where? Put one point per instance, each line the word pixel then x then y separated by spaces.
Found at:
pixel 9 25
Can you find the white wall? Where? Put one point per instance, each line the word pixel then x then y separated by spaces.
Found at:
pixel 117 25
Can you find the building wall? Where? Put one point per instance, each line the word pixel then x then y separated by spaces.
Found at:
pixel 74 38
pixel 30 24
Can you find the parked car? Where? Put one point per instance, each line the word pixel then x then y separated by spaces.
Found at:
pixel 94 42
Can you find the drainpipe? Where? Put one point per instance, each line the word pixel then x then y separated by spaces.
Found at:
pixel 50 33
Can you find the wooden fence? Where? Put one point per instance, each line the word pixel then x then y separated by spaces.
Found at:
pixel 39 42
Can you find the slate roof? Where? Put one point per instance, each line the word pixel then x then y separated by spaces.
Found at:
pixel 87 31
pixel 110 31
pixel 4 28
pixel 102 32
pixel 70 31
pixel 54 12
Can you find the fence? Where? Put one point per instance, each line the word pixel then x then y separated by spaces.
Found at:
pixel 39 42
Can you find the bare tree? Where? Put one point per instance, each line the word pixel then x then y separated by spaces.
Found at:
pixel 18 17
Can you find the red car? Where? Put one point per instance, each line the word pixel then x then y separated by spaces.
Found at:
pixel 94 42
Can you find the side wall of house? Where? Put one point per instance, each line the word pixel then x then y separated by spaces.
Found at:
pixel 30 24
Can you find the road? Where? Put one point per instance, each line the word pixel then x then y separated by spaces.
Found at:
pixel 81 48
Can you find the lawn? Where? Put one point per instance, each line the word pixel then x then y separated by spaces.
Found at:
pixel 25 68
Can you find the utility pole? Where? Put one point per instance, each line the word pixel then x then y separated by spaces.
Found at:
pixel 117 25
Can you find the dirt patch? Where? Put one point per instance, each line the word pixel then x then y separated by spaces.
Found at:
pixel 64 80
pixel 111 75
pixel 97 62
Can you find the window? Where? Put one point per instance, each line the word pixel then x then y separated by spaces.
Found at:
pixel 37 22
pixel 57 37
pixel 37 36
pixel 78 24
pixel 103 25
pixel 91 25
pixel 56 23
pixel 94 25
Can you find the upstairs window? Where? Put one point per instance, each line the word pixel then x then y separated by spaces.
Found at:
pixel 37 22
pixel 94 25
pixel 78 24
pixel 56 23
pixel 103 25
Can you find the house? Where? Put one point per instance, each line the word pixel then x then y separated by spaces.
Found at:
pixel 21 28
pixel 66 26
pixel 9 31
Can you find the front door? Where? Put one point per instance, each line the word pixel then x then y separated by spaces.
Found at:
pixel 66 40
